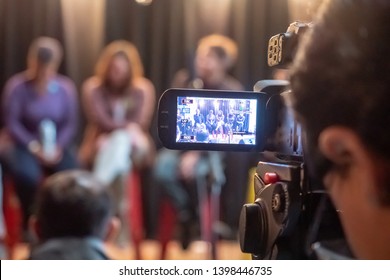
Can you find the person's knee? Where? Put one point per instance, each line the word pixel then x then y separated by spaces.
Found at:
pixel 119 137
pixel 165 169
pixel 68 161
pixel 28 177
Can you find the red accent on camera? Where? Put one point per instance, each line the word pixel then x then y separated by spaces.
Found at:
pixel 270 178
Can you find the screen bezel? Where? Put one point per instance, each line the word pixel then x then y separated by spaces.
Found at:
pixel 168 106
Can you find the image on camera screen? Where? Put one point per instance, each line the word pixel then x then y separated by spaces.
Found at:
pixel 216 120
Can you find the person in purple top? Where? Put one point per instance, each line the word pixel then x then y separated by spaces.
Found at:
pixel 41 115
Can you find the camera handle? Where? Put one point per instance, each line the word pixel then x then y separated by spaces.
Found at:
pixel 275 211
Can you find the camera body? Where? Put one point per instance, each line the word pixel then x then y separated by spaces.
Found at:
pixel 277 223
pixel 291 210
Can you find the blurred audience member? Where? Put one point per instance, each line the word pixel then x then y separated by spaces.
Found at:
pixel 215 55
pixel 73 218
pixel 41 112
pixel 119 103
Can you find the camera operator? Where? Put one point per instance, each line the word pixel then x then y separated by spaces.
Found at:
pixel 340 81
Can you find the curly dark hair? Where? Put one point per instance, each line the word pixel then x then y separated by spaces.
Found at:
pixel 341 73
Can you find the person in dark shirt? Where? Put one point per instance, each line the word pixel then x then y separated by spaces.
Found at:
pixel 33 99
pixel 220 119
pixel 210 121
pixel 73 218
pixel 215 56
pixel 229 126
pixel 240 120
pixel 198 118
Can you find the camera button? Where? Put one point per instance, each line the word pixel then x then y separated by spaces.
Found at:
pixel 270 178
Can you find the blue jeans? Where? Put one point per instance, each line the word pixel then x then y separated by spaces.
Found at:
pixel 27 173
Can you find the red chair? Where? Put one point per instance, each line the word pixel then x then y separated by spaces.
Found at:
pixel 166 226
pixel 135 215
pixel 12 216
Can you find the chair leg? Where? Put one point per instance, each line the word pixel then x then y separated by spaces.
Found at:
pixel 135 217
pixel 12 217
pixel 167 221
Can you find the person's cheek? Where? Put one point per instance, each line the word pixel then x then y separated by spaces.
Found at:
pixel 331 189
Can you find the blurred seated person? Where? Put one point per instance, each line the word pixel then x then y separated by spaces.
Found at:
pixel 73 218
pixel 210 121
pixel 41 115
pixel 201 133
pixel 198 118
pixel 215 56
pixel 177 171
pixel 118 102
pixel 240 120
pixel 230 123
pixel 220 118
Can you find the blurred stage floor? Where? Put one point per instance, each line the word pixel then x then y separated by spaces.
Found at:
pixel 150 250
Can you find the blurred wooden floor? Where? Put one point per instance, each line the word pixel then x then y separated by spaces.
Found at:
pixel 150 250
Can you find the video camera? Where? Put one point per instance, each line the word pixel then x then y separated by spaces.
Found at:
pixel 291 211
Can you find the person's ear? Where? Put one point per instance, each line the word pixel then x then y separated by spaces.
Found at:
pixel 114 226
pixel 341 146
pixel 34 226
pixel 350 157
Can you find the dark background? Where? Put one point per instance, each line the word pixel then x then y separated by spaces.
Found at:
pixel 166 33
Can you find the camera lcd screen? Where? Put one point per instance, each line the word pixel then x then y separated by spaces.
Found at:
pixel 216 120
